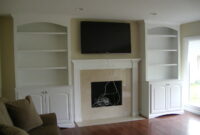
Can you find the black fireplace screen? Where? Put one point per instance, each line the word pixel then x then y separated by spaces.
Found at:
pixel 107 93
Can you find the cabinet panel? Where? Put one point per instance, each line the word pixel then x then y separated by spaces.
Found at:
pixel 158 98
pixel 38 102
pixel 59 104
pixel 52 100
pixel 175 97
pixel 166 98
pixel 59 101
pixel 37 97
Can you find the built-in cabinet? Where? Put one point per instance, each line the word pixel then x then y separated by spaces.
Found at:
pixel 41 69
pixel 52 100
pixel 161 88
pixel 165 97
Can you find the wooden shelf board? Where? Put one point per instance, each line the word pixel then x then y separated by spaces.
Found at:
pixel 36 85
pixel 42 68
pixel 163 79
pixel 44 33
pixel 163 50
pixel 55 50
pixel 157 35
pixel 164 65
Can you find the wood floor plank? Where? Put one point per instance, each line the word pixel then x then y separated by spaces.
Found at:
pixel 185 124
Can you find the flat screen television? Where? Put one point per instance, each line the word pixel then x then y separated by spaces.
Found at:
pixel 105 37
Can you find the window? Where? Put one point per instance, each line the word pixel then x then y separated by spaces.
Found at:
pixel 194 72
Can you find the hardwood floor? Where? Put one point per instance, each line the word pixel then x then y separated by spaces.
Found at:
pixel 185 124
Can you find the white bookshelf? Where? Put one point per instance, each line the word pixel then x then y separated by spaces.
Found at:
pixel 161 89
pixel 42 64
pixel 162 53
pixel 41 50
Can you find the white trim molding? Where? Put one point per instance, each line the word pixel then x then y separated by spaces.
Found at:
pixel 79 65
pixel 192 109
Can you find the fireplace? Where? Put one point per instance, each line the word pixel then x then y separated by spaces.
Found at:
pixel 101 70
pixel 108 93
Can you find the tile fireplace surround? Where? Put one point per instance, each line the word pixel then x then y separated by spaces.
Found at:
pixel 103 64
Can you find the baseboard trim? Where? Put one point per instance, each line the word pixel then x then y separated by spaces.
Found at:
pixel 66 125
pixel 192 109
pixel 108 121
pixel 165 113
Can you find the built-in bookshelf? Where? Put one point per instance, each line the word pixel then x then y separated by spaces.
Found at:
pixel 162 54
pixel 41 55
pixel 161 89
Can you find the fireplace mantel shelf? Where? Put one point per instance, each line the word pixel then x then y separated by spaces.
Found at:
pixel 98 64
pixel 104 63
pixel 101 60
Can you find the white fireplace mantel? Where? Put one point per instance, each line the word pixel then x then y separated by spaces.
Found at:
pixel 99 64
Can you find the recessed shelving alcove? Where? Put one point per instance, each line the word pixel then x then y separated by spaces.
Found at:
pixel 41 50
pixel 162 53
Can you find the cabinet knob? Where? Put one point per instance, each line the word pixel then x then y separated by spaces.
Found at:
pixel 44 92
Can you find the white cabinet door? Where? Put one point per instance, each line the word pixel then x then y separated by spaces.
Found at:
pixel 52 100
pixel 165 98
pixel 175 97
pixel 158 98
pixel 38 102
pixel 58 101
pixel 37 97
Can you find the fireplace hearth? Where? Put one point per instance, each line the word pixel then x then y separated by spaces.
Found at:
pixel 108 93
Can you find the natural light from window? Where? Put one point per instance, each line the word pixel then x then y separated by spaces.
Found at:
pixel 194 61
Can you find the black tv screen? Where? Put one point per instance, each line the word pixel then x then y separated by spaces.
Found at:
pixel 105 37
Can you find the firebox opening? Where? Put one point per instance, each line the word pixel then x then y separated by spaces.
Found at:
pixel 108 93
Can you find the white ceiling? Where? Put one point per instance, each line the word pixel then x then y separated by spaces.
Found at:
pixel 171 11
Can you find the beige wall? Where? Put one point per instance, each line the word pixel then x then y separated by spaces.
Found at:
pixel 75 42
pixel 0 69
pixel 7 57
pixel 88 76
pixel 190 29
pixel 187 30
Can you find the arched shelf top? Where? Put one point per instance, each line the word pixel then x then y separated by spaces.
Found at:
pixel 162 31
pixel 41 27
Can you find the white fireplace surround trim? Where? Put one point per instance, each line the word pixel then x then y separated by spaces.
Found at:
pixel 97 64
